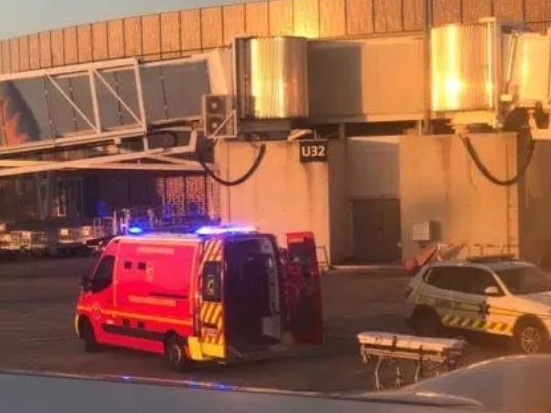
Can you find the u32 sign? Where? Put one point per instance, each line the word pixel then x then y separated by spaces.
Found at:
pixel 313 151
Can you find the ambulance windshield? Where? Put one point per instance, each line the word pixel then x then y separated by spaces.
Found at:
pixel 525 280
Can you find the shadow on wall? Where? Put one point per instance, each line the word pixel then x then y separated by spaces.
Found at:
pixel 18 122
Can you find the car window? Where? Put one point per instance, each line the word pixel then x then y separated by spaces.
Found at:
pixel 468 280
pixel 477 280
pixel 525 280
pixel 445 278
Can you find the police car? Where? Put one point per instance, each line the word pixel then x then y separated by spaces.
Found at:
pixel 494 295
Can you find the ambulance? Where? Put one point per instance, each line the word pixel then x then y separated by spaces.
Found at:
pixel 219 294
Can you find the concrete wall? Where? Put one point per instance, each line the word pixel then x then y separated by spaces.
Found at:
pixel 340 211
pixel 373 167
pixel 535 205
pixel 282 196
pixel 438 181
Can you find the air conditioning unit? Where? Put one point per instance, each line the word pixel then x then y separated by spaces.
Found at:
pixel 218 120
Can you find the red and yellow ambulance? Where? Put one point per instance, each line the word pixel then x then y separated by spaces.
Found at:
pixel 220 293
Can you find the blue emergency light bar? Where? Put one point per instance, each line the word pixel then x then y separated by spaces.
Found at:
pixel 135 230
pixel 223 229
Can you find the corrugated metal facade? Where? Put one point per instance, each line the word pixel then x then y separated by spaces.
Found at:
pixel 176 34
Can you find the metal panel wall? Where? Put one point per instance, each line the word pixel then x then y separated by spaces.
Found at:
pixel 58 48
pixel 537 10
pixel 170 35
pixel 234 21
pixel 71 45
pixel 151 37
pixel 34 51
pixel 306 18
pixel 24 63
pixel 84 36
pixel 115 38
pixel 256 18
pixel 281 17
pixel 190 22
pixel 475 9
pixel 45 50
pixel 539 27
pixel 388 15
pixel 359 17
pixel 414 14
pixel 509 9
pixel 100 49
pixel 132 36
pixel 332 18
pixel 211 27
pixel 14 55
pixel 446 11
pixel 6 56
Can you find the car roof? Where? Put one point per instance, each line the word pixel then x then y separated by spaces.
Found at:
pixel 498 265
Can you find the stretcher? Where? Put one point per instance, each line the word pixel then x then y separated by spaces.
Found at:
pixel 427 353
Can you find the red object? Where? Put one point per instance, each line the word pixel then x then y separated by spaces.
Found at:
pixel 146 288
pixel 304 303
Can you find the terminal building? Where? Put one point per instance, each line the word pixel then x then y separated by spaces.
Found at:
pixel 381 125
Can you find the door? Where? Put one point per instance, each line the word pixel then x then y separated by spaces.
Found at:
pixel 211 314
pixel 477 308
pixel 302 286
pixel 376 224
pixel 98 293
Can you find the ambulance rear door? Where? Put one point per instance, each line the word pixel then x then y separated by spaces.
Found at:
pixel 302 287
pixel 211 305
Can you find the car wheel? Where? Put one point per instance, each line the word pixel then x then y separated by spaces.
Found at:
pixel 426 322
pixel 530 337
pixel 87 333
pixel 175 353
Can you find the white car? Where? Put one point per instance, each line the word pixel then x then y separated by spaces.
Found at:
pixel 494 295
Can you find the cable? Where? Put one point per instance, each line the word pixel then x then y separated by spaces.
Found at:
pixel 239 181
pixel 487 174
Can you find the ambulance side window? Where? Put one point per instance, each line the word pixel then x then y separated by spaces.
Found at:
pixel 212 282
pixel 103 276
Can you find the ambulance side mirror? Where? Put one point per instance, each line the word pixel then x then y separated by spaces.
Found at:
pixel 85 282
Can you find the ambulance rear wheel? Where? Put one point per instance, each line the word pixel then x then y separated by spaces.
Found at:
pixel 530 337
pixel 175 353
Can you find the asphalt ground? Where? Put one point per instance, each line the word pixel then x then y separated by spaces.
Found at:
pixel 37 299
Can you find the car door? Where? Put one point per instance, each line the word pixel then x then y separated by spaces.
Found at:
pixel 211 301
pixel 475 307
pixel 437 290
pixel 302 289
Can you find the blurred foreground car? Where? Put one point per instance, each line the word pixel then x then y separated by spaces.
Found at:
pixel 513 383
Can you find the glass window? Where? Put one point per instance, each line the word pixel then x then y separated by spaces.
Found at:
pixel 446 278
pixel 103 275
pixel 525 280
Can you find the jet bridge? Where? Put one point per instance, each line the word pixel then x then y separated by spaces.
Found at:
pixel 119 114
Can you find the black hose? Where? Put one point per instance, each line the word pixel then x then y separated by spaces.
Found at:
pixel 201 159
pixel 244 178
pixel 488 175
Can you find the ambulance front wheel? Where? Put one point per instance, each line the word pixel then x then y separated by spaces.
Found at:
pixel 87 334
pixel 175 353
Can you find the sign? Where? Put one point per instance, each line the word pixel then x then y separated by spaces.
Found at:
pixel 313 151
